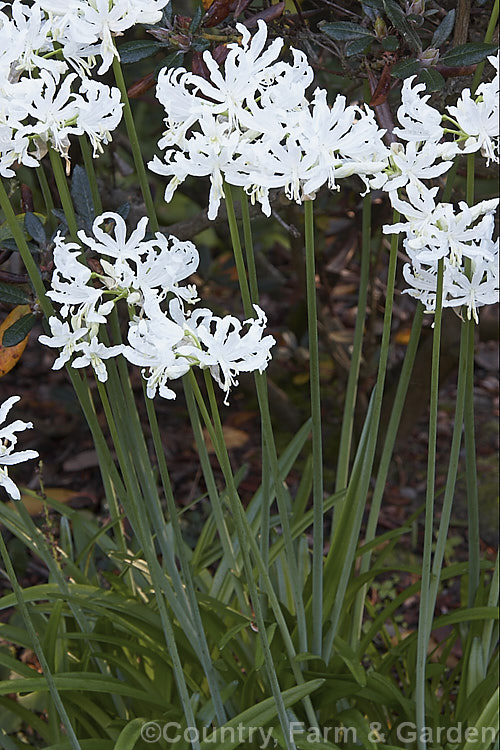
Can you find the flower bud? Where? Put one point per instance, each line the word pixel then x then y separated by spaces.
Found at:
pixel 429 57
pixel 415 8
pixel 380 28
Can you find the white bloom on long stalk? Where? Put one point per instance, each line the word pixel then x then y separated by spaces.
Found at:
pixel 152 346
pixel 229 351
pixel 87 28
pixel 147 273
pixel 99 112
pixel 115 244
pixel 478 119
pixel 469 289
pixel 55 112
pixel 62 338
pixel 94 353
pixel 8 440
pixel 439 231
pixel 419 121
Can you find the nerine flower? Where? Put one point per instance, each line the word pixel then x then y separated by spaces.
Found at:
pixel 478 119
pixel 8 440
pixel 252 126
pixel 150 275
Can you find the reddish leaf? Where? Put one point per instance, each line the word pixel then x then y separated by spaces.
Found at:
pixel 10 356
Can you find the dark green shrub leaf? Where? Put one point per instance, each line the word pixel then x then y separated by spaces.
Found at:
pixel 468 54
pixel 131 52
pixel 444 29
pixel 344 31
pixel 357 46
pixel 398 19
pixel 13 295
pixel 34 227
pixel 169 61
pixel 196 20
pixel 123 210
pixel 18 330
pixel 373 4
pixel 390 43
pixel 82 196
pixel 405 68
pixel 433 80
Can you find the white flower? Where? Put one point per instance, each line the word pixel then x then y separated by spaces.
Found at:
pixel 55 111
pixel 93 353
pixel 474 292
pixel 8 440
pixel 152 346
pixel 419 121
pixel 411 163
pixel 478 119
pixel 88 27
pixel 116 245
pixel 228 351
pixel 100 111
pixel 62 338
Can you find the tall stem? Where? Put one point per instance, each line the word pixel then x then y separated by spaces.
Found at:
pixel 317 444
pixel 267 431
pixel 135 146
pixel 470 437
pixel 64 194
pixel 426 611
pixel 174 520
pixel 352 381
pixel 347 530
pixel 385 460
pixel 47 196
pixel 88 162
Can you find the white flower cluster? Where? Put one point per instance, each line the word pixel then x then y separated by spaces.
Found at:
pixel 8 440
pixel 252 126
pixel 164 339
pixel 42 103
pixel 434 230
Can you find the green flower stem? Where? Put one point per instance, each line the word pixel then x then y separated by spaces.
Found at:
pixel 217 435
pixel 238 254
pixel 47 197
pixel 451 477
pixel 213 494
pixel 385 460
pixel 317 444
pixel 487 38
pixel 64 194
pixel 267 430
pixel 426 611
pixel 346 533
pixel 265 511
pixel 352 382
pixel 181 552
pixel 470 438
pixel 245 533
pixel 135 145
pixel 249 249
pixel 136 515
pixel 128 431
pixel 88 161
pixel 37 647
